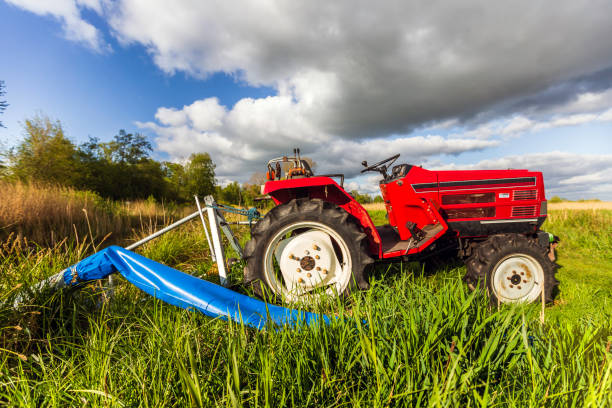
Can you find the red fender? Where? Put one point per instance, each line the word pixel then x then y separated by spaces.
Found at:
pixel 326 189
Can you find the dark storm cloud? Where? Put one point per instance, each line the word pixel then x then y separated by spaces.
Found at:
pixel 551 100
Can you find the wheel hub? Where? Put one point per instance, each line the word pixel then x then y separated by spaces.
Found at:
pixel 307 261
pixel 517 278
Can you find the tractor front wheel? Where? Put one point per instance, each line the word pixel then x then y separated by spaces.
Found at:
pixel 512 268
pixel 304 249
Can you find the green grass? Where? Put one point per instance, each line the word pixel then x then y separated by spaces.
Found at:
pixel 413 339
pixel 585 256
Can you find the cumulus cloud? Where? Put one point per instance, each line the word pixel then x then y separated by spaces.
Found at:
pixel 242 138
pixel 508 127
pixel 367 71
pixel 68 12
pixel 359 82
pixel 588 93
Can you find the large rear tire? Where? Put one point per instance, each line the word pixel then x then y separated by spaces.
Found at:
pixel 304 249
pixel 512 268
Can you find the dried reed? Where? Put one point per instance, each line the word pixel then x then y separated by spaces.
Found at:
pixel 48 214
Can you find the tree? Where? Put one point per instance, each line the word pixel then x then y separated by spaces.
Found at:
pixel 200 175
pixel 45 154
pixel 3 104
pixel 122 168
pixel 174 174
pixel 232 193
pixel 127 148
pixel 361 198
pixel 252 188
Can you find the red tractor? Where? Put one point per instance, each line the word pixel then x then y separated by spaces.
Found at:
pixel 318 239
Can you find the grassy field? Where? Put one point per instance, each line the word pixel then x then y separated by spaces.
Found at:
pixel 413 339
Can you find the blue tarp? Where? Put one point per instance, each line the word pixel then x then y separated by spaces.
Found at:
pixel 183 290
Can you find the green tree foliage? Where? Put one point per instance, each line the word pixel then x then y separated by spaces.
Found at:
pixel 45 154
pixel 196 177
pixel 3 103
pixel 122 168
pixel 174 174
pixel 119 169
pixel 378 199
pixel 199 175
pixel 127 148
pixel 232 193
pixel 250 192
pixel 361 198
pixel 245 194
pixel 556 199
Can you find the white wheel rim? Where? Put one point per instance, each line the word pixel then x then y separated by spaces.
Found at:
pixel 517 278
pixel 311 259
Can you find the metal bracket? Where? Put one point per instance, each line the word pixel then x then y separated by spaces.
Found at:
pixel 212 253
pixel 224 225
pixel 216 220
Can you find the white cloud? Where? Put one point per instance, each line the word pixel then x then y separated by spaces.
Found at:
pixel 171 117
pixel 365 185
pixel 68 12
pixel 600 177
pixel 241 139
pixel 520 124
pixel 206 114
pixel 589 102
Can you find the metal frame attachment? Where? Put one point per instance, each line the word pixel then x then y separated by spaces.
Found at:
pixel 216 222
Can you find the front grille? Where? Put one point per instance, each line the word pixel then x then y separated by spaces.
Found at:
pixel 479 212
pixel 528 211
pixel 524 195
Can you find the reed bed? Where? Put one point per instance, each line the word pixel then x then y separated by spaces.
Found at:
pixel 47 215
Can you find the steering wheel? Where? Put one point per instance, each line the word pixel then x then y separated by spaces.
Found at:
pixel 379 166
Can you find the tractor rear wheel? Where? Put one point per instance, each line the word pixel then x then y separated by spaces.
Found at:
pixel 512 268
pixel 304 249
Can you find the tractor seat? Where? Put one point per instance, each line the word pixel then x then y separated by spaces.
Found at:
pixel 300 172
pixel 400 171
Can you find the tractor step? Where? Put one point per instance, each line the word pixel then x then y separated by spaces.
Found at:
pixel 391 241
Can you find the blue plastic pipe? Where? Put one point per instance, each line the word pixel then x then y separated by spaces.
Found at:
pixel 183 290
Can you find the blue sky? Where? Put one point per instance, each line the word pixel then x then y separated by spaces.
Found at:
pixel 345 83
pixel 93 94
